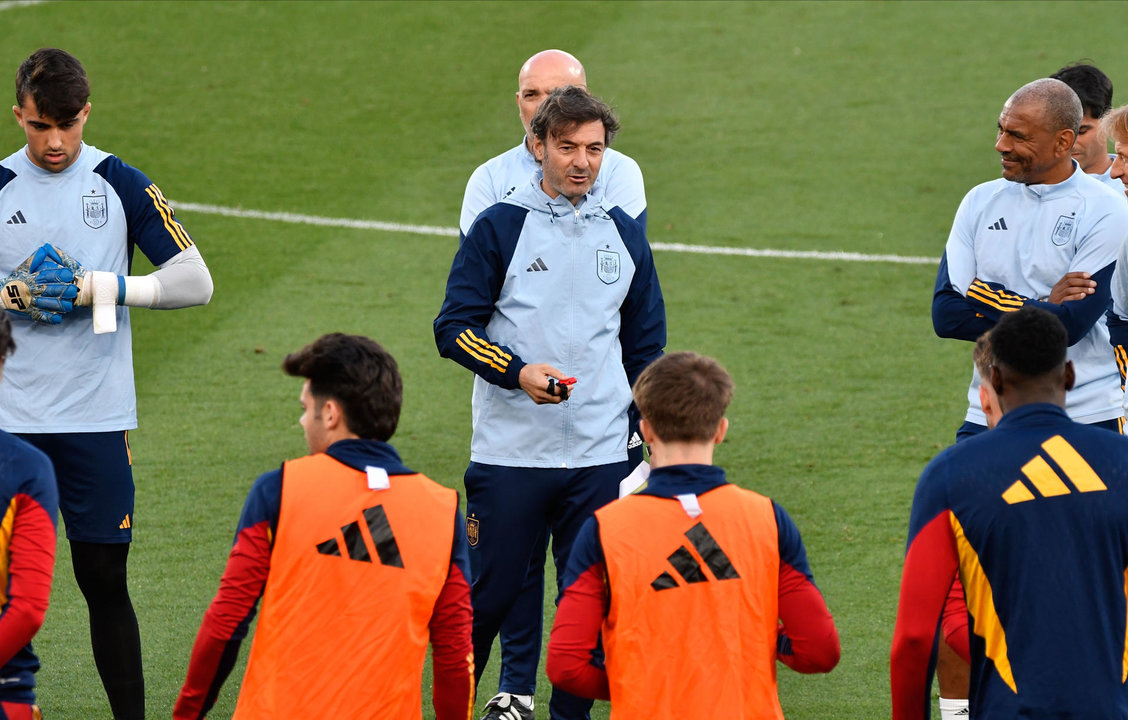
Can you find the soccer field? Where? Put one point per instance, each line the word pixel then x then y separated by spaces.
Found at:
pixel 804 127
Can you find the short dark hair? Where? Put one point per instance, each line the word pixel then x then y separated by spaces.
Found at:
pixel 568 107
pixel 1030 341
pixel 1092 86
pixel 56 81
pixel 358 373
pixel 7 343
pixel 683 396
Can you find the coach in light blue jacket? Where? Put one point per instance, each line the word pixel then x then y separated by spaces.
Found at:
pixel 550 283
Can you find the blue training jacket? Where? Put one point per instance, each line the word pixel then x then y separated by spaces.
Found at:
pixel 540 281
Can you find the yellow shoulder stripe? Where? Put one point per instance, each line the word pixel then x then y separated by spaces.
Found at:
pixel 175 229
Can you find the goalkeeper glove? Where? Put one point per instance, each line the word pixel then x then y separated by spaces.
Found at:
pixel 94 286
pixel 103 290
pixel 40 288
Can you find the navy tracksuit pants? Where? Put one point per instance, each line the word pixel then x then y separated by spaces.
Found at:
pixel 510 513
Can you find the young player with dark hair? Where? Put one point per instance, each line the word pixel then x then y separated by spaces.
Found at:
pixel 92 211
pixel 359 561
pixel 27 558
pixel 551 286
pixel 1094 90
pixel 696 586
pixel 1034 515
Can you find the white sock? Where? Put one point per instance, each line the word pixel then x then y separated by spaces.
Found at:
pixel 527 700
pixel 953 709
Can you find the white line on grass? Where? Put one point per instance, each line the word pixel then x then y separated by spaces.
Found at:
pixel 10 4
pixel 295 218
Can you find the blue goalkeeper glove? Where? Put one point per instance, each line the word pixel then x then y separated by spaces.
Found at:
pixel 41 288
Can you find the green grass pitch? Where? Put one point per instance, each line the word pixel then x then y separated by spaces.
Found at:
pixel 838 126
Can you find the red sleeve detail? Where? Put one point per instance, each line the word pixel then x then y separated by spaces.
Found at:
pixel 930 565
pixel 954 621
pixel 452 651
pixel 807 624
pixel 31 563
pixel 224 622
pixel 575 636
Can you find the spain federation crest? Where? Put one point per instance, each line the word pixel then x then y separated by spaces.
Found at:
pixel 1063 231
pixel 472 531
pixel 95 212
pixel 607 266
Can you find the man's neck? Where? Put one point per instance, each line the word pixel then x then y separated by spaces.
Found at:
pixel 680 453
pixel 1100 167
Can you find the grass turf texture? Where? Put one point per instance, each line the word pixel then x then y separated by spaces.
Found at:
pixel 801 126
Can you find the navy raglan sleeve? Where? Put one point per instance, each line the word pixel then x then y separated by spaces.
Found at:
pixel 473 287
pixel 153 227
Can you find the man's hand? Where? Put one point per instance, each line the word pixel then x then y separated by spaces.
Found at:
pixel 40 288
pixel 534 381
pixel 1072 286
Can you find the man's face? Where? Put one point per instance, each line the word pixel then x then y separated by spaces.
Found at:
pixel 538 80
pixel 1029 150
pixel 1120 164
pixel 571 160
pixel 313 421
pixel 51 144
pixel 1091 149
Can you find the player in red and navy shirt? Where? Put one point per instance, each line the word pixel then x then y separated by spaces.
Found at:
pixel 1034 516
pixel 27 559
pixel 351 399
pixel 695 586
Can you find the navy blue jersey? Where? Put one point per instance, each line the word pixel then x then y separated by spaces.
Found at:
pixel 1035 516
pixel 27 560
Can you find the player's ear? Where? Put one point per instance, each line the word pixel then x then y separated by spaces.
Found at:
pixel 1065 141
pixel 538 149
pixel 645 430
pixel 332 414
pixel 986 399
pixel 1070 376
pixel 722 428
pixel 18 113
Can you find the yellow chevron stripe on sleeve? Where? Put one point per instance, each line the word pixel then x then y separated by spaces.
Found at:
pixel 981 605
pixel 6 526
pixel 1079 472
pixel 500 354
pixel 1121 362
pixel 175 229
pixel 998 300
pixel 477 356
pixel 1044 478
pixel 484 348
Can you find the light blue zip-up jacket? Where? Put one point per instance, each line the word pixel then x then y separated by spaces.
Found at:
pixel 540 281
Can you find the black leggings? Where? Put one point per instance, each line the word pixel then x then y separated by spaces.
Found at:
pixel 100 570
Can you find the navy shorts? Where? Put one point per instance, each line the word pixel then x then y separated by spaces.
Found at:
pixel 95 476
